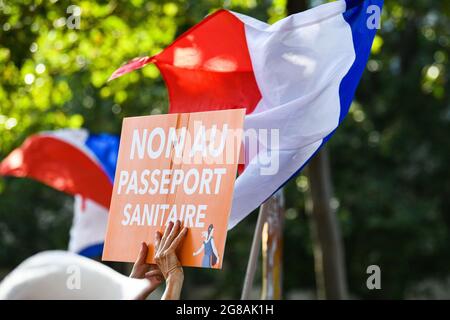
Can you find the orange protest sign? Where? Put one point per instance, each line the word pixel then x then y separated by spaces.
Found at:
pixel 175 167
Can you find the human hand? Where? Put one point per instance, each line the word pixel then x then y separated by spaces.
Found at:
pixel 142 270
pixel 167 260
pixel 166 246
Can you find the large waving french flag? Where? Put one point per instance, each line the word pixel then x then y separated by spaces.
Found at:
pixel 78 163
pixel 297 76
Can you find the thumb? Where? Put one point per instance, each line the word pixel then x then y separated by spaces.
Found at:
pixel 142 256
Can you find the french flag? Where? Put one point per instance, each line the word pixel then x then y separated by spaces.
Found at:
pixel 297 77
pixel 78 163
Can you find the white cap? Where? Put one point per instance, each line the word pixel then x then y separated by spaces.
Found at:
pixel 63 275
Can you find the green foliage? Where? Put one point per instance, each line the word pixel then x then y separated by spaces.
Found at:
pixel 389 159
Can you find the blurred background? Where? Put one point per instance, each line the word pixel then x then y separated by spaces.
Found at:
pixel 388 165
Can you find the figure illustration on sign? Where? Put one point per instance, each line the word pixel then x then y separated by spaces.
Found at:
pixel 210 257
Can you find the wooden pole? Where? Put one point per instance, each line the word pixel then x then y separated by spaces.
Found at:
pixel 254 254
pixel 269 215
pixel 272 249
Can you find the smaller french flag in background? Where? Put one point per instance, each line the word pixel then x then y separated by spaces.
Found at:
pixel 78 163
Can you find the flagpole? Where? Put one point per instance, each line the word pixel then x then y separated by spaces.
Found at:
pixel 272 249
pixel 270 217
pixel 254 253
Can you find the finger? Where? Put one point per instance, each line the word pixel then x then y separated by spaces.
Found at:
pixel 153 267
pixel 175 244
pixel 172 235
pixel 154 273
pixel 157 240
pixel 169 227
pixel 142 254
